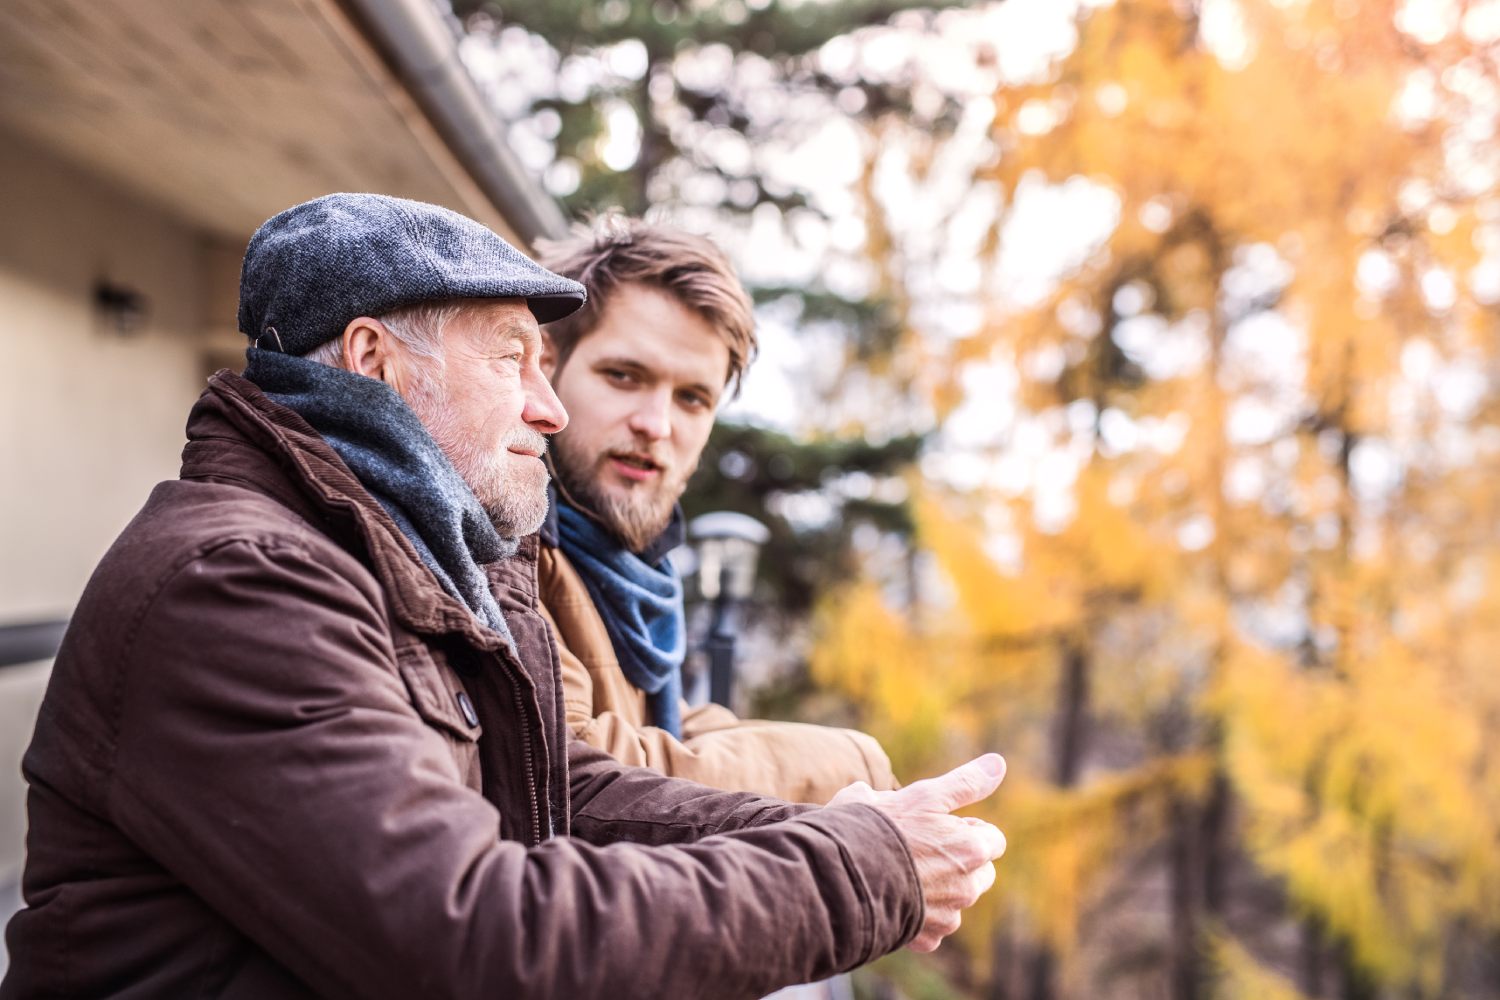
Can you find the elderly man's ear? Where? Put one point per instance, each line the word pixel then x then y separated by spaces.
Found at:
pixel 371 350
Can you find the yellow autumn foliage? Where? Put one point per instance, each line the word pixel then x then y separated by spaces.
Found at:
pixel 1360 793
pixel 1237 975
pixel 1292 599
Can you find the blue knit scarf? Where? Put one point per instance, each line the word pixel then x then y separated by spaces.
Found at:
pixel 641 604
pixel 371 428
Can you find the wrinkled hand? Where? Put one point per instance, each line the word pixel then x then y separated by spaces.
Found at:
pixel 954 855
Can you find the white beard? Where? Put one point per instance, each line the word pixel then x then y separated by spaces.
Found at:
pixel 515 500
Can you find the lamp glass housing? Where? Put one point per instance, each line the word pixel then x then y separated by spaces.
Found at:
pixel 727 545
pixel 730 560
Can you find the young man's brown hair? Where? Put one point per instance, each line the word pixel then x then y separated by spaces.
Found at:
pixel 616 251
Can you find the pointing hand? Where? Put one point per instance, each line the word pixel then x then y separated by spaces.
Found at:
pixel 954 856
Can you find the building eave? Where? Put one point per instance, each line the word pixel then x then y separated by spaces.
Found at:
pixel 422 47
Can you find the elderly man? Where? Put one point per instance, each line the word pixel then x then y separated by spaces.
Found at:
pixel 304 736
pixel 666 333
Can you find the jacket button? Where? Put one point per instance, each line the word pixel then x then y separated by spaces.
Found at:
pixel 467 707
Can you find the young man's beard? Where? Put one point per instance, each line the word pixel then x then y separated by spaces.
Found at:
pixel 514 498
pixel 636 517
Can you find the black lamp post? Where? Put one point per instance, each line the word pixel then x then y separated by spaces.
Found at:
pixel 726 544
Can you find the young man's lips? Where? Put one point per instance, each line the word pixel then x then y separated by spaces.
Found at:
pixel 633 470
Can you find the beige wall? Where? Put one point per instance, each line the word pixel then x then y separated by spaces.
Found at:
pixel 89 420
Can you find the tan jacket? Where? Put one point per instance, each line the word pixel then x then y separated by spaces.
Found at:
pixel 787 760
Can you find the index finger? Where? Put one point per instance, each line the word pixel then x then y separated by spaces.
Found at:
pixel 963 786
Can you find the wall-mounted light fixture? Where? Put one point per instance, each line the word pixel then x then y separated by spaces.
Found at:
pixel 122 308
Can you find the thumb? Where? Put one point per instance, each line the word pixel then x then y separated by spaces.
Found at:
pixel 859 792
pixel 964 785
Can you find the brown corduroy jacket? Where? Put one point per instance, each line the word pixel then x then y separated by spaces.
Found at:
pixel 276 759
pixel 787 760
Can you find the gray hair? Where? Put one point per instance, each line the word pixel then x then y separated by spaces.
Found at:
pixel 418 328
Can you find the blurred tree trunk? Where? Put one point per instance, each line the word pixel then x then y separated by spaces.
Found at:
pixel 1355 982
pixel 1491 973
pixel 1070 736
pixel 1041 969
pixel 1216 831
pixel 1197 862
pixel 1003 959
pixel 1071 731
pixel 1312 945
pixel 1185 879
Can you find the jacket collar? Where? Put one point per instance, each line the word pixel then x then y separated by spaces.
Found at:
pixel 237 434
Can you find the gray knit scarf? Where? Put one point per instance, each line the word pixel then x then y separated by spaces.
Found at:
pixel 371 428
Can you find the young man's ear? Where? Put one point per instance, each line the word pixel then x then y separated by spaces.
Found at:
pixel 370 350
pixel 548 359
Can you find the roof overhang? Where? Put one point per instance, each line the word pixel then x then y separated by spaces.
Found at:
pixel 227 111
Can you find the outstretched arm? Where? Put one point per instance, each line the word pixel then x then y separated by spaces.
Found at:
pixel 292 786
pixel 785 760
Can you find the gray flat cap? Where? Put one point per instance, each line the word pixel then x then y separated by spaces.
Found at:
pixel 309 270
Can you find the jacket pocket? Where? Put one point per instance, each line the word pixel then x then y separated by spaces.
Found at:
pixel 437 694
pixel 445 705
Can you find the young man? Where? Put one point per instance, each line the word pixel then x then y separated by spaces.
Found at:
pixel 665 335
pixel 304 736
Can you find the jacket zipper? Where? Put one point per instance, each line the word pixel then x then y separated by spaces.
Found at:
pixel 529 759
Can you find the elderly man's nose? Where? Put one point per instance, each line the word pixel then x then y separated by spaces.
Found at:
pixel 543 412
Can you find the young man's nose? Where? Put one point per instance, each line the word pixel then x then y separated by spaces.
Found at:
pixel 652 418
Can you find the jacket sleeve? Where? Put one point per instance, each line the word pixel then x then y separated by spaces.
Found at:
pixel 613 802
pixel 784 760
pixel 272 761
